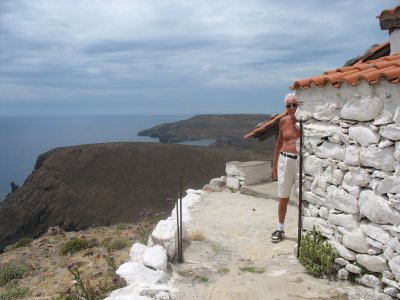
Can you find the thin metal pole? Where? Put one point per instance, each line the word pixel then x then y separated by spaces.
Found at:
pixel 180 221
pixel 177 226
pixel 300 189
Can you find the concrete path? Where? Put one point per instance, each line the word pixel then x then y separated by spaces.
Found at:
pixel 267 190
pixel 236 259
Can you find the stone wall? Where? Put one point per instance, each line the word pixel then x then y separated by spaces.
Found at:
pixel 351 177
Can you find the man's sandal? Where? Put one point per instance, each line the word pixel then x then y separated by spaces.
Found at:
pixel 277 236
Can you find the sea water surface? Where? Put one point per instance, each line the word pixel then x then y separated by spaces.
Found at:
pixel 24 138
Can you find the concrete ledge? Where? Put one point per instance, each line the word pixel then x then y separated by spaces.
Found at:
pixel 266 190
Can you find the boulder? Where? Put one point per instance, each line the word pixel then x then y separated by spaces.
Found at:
pixel 397 151
pixel 351 109
pixel 136 252
pixel 323 212
pixel 343 251
pixel 341 261
pixel 389 185
pixel 394 265
pixel 363 135
pixel 376 232
pixel 341 200
pixel 137 274
pixel 353 269
pixel 156 258
pixel 313 198
pixel 355 242
pixel 320 224
pixel 343 274
pixel 165 235
pixel 345 220
pixel 391 131
pixel 372 263
pixel 330 150
pixel 369 281
pixel 377 209
pixel 337 176
pixel 385 143
pixel 352 155
pixel 321 129
pixel 313 165
pixel 378 158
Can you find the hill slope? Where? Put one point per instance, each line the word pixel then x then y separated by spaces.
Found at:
pixel 93 185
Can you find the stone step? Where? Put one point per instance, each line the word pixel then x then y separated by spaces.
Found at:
pixel 267 190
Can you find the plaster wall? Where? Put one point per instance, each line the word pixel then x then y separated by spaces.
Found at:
pixel 352 174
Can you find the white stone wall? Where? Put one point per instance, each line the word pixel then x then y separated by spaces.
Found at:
pixel 351 172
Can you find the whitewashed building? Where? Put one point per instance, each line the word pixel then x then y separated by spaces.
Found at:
pixel 351 186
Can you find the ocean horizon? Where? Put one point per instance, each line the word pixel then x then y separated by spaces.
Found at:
pixel 25 138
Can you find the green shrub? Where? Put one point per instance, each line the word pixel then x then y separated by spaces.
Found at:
pixel 12 291
pixel 24 242
pixel 316 255
pixel 12 270
pixel 73 246
pixel 116 243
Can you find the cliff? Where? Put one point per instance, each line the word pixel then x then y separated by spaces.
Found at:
pixel 93 185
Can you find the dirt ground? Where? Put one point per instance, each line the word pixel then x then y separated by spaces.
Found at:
pixel 235 258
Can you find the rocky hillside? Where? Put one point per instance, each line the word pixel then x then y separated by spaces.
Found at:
pixel 94 185
pixel 226 130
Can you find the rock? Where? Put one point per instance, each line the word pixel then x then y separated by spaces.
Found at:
pixel 343 251
pixel 313 165
pixel 385 143
pixel 373 250
pixel 388 275
pixel 136 253
pixel 320 224
pixel 343 274
pixel 372 263
pixel 376 232
pixel 389 185
pixel 397 151
pixel 320 129
pixel 356 176
pixel 374 243
pixel 369 281
pixel 343 166
pixel 155 257
pixel 355 242
pixel 388 252
pixel 328 149
pixel 351 109
pixel 323 212
pixel 381 174
pixel 391 132
pixel 364 135
pixel 353 269
pixel 233 183
pixel 341 200
pixel 135 273
pixel 382 159
pixel 341 261
pixel 345 220
pixel 392 292
pixel 128 292
pixel 352 155
pixel 165 234
pixel 377 209
pixel 394 265
pixel 337 177
pixel 391 283
pixel 312 198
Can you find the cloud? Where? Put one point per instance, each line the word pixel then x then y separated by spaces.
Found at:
pixel 173 53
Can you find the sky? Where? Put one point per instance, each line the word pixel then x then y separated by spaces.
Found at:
pixel 130 57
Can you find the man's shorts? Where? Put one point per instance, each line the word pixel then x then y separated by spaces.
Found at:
pixel 287 169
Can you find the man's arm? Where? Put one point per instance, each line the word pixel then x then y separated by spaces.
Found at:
pixel 278 147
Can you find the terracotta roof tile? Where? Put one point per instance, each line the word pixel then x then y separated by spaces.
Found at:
pixel 372 71
pixel 267 128
pixel 389 12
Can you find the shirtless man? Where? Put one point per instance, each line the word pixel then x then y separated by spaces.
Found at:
pixel 285 162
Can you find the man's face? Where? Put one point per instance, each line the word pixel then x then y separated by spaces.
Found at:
pixel 291 105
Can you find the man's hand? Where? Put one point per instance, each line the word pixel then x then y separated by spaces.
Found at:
pixel 275 173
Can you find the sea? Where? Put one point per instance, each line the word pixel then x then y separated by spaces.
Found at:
pixel 24 138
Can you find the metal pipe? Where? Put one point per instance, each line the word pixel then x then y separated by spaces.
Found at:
pixel 300 189
pixel 180 220
pixel 177 226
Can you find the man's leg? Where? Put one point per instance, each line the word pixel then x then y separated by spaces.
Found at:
pixel 282 208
